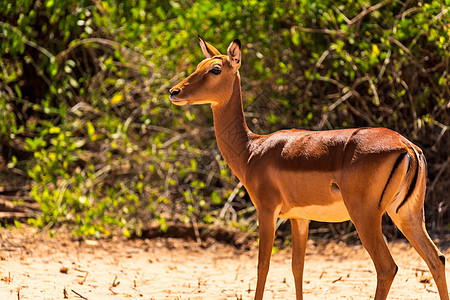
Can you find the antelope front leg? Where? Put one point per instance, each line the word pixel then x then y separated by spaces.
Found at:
pixel 299 229
pixel 267 221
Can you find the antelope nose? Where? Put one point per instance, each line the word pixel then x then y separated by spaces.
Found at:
pixel 174 91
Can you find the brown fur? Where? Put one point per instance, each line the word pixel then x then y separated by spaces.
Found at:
pixel 304 175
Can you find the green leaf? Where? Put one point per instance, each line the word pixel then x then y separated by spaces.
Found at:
pixel 295 38
pixel 215 199
pixel 17 224
pixel 18 91
pixel 193 165
pixel 117 98
pixel 54 130
pixel 53 69
pixel 91 130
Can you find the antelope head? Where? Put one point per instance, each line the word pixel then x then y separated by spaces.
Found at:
pixel 212 82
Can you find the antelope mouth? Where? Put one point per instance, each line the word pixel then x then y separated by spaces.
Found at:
pixel 178 101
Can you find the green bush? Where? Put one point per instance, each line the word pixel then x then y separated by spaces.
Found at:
pixel 83 87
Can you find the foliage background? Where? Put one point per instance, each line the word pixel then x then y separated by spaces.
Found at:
pixel 85 116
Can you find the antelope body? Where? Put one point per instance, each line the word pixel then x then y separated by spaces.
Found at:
pixel 332 176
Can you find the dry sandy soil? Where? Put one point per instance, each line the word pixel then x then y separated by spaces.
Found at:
pixel 34 266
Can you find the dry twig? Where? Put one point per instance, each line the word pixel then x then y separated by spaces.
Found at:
pixel 79 295
pixel 114 283
pixel 86 273
pixel 367 11
pixel 230 199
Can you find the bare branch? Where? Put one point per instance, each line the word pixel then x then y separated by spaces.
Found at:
pixel 318 30
pixel 367 11
pixel 229 200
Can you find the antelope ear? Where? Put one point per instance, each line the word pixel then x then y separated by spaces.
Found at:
pixel 208 49
pixel 234 54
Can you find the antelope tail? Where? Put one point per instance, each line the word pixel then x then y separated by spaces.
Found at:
pixel 413 181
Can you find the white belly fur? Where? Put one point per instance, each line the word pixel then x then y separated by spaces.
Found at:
pixel 336 212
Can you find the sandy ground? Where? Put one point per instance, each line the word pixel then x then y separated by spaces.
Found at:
pixel 34 266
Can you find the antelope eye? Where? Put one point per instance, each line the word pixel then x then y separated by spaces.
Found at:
pixel 216 70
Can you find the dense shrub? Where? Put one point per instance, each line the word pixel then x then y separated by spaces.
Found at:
pixel 84 85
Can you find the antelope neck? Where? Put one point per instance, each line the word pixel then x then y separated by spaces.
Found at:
pixel 232 134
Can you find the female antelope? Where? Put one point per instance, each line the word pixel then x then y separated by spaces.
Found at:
pixel 332 176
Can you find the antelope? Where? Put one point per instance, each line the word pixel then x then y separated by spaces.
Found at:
pixel 329 176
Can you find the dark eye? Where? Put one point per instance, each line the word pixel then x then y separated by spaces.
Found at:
pixel 216 70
